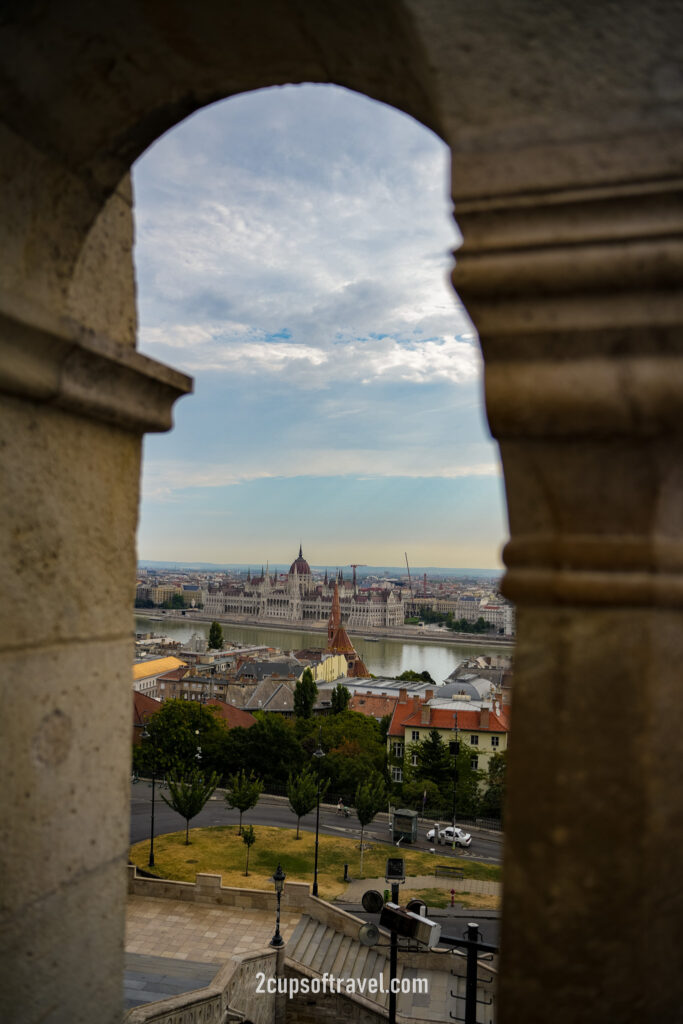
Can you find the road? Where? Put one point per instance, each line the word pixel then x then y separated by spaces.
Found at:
pixel 270 810
pixel 486 847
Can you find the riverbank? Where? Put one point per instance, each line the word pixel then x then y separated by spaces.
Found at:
pixel 414 634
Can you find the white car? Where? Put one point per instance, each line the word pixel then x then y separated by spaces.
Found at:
pixel 446 835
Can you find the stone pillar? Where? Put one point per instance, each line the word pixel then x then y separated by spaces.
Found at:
pixel 576 296
pixel 74 402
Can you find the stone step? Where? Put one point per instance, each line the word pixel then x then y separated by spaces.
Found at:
pixel 323 944
pixel 331 954
pixel 322 950
pixel 341 956
pixel 298 950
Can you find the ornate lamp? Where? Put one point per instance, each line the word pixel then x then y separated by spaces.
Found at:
pixel 279 883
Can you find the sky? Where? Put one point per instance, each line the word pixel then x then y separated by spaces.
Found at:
pixel 293 251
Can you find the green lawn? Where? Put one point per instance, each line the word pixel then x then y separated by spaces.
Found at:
pixel 440 896
pixel 220 851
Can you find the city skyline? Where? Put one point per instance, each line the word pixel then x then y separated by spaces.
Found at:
pixel 168 566
pixel 292 255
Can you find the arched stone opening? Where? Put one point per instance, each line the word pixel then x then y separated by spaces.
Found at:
pixel 568 196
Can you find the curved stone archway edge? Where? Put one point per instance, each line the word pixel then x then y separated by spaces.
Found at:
pixel 564 124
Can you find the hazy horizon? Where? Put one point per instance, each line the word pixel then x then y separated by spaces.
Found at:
pixel 362 570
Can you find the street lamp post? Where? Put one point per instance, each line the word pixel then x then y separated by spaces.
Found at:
pixel 318 755
pixel 279 882
pixel 198 755
pixel 146 736
pixel 395 874
pixel 455 750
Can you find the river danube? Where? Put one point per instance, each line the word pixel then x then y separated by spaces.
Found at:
pixel 382 657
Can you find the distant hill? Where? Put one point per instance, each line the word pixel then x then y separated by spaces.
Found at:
pixel 367 570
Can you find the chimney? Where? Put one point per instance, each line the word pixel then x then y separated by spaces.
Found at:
pixel 416 703
pixel 426 715
pixel 484 718
pixel 402 696
pixel 429 694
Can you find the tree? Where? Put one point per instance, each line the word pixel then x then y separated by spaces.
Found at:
pixel 433 760
pixel 415 677
pixel 354 747
pixel 435 763
pixel 271 748
pixel 174 733
pixel 421 794
pixel 302 793
pixel 189 794
pixel 243 792
pixel 494 794
pixel 370 798
pixel 248 838
pixel 305 693
pixel 340 698
pixel 216 636
pixel 468 794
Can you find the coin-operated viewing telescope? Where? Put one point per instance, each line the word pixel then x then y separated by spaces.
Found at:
pixel 409 925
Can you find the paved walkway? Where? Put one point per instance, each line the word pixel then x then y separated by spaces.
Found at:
pixel 355 889
pixel 198 932
pixel 150 978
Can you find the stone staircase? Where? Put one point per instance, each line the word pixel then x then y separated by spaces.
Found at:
pixel 320 949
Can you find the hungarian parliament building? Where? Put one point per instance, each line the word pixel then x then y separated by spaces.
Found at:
pixel 296 597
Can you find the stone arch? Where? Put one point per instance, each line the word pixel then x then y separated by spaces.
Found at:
pixel 564 126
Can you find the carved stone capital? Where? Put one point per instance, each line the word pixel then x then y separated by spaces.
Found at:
pixel 54 360
pixel 578 301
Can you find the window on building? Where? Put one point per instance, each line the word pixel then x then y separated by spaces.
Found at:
pixel 495 741
pixel 474 741
pixel 415 735
pixel 396 774
pixel 475 762
pixel 413 760
pixel 397 750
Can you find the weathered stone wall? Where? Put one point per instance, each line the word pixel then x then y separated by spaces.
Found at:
pixel 309 1008
pixel 564 122
pixel 206 888
pixel 232 995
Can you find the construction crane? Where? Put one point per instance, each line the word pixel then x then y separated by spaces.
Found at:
pixel 354 566
pixel 410 582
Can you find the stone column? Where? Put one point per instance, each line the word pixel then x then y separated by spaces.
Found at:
pixel 74 403
pixel 576 296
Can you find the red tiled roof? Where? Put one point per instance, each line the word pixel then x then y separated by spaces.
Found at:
pixel 233 717
pixel 143 708
pixel 175 674
pixel 375 705
pixel 408 714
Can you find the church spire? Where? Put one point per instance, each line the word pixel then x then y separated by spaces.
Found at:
pixel 334 621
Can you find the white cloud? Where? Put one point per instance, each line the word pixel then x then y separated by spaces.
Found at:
pixel 222 347
pixel 163 480
pixel 293 253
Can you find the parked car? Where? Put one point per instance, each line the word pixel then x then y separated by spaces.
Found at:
pixel 446 835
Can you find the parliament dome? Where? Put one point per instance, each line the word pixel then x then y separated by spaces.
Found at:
pixel 300 565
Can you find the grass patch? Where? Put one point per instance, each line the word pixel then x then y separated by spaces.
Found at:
pixel 220 851
pixel 442 898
